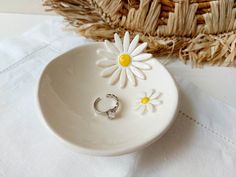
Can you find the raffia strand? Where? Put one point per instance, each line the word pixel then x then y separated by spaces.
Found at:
pixel 200 31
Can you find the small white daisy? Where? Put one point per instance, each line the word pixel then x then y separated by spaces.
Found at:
pixel 148 102
pixel 124 62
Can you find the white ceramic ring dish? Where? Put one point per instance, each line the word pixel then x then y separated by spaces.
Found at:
pixel 68 87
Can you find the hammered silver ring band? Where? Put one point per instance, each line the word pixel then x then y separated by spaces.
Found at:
pixel 111 113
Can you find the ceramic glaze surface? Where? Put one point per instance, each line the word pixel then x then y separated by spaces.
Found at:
pixel 68 88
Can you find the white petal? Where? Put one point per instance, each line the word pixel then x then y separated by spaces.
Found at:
pixel 156 102
pixel 141 95
pixel 133 44
pixel 123 78
pixel 142 57
pixel 131 77
pixel 150 107
pixel 109 71
pixel 142 109
pixel 155 95
pixel 106 54
pixel 138 100
pixel 141 65
pixel 139 49
pixel 137 72
pixel 126 42
pixel 150 93
pixel 137 106
pixel 118 42
pixel 115 76
pixel 111 47
pixel 105 63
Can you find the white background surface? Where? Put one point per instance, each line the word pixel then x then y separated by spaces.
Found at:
pixel 22 6
pixel 17 16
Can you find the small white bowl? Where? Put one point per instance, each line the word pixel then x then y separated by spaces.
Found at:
pixel 68 87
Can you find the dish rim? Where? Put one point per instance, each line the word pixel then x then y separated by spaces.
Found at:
pixel 89 151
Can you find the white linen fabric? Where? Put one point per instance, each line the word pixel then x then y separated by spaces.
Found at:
pixel 201 143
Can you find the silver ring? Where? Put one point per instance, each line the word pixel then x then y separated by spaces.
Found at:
pixel 111 113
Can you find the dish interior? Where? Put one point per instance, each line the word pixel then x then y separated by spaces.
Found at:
pixel 70 84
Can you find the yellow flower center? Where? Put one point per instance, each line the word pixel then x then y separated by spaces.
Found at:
pixel 145 100
pixel 124 60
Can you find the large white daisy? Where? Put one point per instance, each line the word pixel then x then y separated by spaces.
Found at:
pixel 124 62
pixel 148 102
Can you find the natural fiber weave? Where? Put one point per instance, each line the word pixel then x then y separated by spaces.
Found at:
pixel 200 31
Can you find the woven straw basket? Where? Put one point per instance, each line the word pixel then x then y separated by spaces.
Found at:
pixel 200 31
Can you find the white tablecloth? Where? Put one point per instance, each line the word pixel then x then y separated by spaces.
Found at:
pixel 201 143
